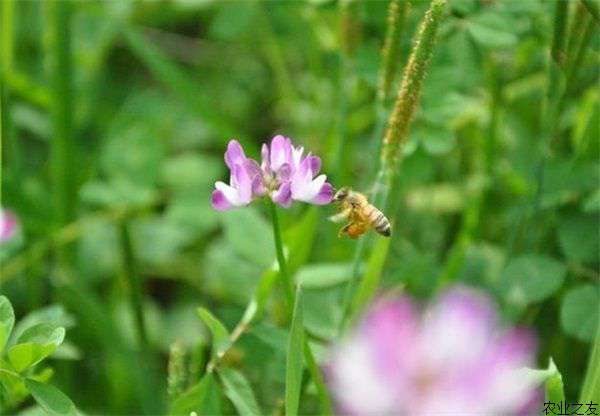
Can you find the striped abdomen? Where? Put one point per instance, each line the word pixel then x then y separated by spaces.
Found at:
pixel 378 221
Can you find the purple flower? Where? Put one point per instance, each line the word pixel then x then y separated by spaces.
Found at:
pixel 8 225
pixel 453 359
pixel 245 181
pixel 285 175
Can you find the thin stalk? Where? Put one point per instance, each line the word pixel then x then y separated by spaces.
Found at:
pixel 472 211
pixel 7 34
pixel 551 108
pixel 286 279
pixel 62 145
pixel 391 59
pixel 390 54
pixel 348 29
pixel 593 8
pixel 397 132
pixel 579 54
pixel 591 383
pixel 134 284
pixel 313 368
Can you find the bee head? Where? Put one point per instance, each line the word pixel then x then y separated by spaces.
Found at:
pixel 341 194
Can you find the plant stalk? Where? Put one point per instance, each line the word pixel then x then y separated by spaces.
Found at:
pixel 591 383
pixel 62 145
pixel 135 285
pixel 396 135
pixel 286 279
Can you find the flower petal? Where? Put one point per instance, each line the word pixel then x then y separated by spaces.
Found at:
pixel 284 174
pixel 314 162
pixel 324 196
pixel 281 152
pixel 305 189
pixel 219 201
pixel 359 388
pixel 297 156
pixel 8 225
pixel 265 163
pixel 243 183
pixel 230 193
pixel 283 196
pixel 234 155
pixel 458 312
pixel 391 329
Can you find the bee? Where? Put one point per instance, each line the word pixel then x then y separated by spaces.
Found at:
pixel 361 215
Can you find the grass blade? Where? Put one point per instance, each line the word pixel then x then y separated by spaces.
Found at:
pixel 293 374
pixel 370 282
pixel 239 391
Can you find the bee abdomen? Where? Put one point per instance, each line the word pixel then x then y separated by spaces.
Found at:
pixel 380 222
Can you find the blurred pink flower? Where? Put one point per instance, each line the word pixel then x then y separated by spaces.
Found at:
pixel 284 175
pixel 8 225
pixel 454 359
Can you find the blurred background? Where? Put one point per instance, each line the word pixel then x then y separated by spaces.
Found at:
pixel 115 117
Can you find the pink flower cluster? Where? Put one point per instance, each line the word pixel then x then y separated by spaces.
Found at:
pixel 285 175
pixel 453 359
pixel 8 225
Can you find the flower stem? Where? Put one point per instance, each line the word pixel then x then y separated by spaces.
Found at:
pixel 134 283
pixel 63 145
pixel 288 285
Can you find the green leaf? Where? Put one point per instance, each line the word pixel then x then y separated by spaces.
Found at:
pixel 36 343
pixel 250 236
pixel 531 278
pixel 52 314
pixel 239 391
pixel 293 373
pixel 202 398
pixel 51 399
pixel 220 335
pixel 370 282
pixel 579 239
pixel 322 312
pixel 7 321
pixel 321 275
pixel 300 238
pixel 579 311
pixel 592 202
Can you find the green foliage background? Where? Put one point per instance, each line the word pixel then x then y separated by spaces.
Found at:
pixel 109 157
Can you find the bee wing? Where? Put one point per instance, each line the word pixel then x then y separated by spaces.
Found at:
pixel 341 216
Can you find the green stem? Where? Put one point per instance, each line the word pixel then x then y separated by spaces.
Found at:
pixel 134 283
pixel 286 279
pixel 63 146
pixel 398 128
pixel 591 384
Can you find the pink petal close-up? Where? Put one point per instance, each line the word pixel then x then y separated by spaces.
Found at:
pixel 8 225
pixel 454 357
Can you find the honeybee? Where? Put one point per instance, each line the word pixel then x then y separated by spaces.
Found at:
pixel 361 215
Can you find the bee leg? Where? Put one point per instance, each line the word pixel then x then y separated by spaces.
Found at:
pixel 344 230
